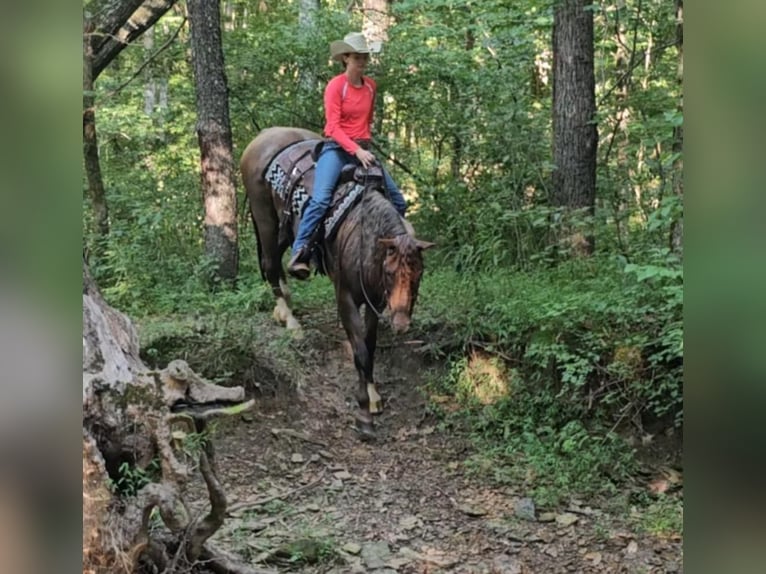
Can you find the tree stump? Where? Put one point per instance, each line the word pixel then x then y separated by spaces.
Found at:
pixel 135 464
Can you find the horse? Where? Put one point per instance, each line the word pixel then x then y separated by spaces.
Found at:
pixel 373 259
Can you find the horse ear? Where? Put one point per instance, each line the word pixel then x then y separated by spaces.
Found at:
pixel 424 244
pixel 387 241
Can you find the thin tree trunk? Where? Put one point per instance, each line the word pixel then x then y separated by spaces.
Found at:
pixel 574 107
pixel 375 20
pixel 132 19
pixel 89 138
pixel 108 27
pixel 677 230
pixel 307 15
pixel 215 140
pixel 150 84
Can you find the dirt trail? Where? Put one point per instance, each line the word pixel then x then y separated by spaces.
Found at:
pixel 305 495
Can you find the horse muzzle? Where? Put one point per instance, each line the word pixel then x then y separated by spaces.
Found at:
pixel 400 322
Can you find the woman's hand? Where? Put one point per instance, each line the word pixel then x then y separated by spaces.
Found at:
pixel 365 157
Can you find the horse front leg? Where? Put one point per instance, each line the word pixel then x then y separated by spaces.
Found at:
pixel 282 311
pixel 371 340
pixel 355 331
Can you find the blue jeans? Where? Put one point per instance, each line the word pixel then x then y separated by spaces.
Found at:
pixel 331 160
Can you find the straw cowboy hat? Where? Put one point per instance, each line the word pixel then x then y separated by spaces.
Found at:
pixel 354 42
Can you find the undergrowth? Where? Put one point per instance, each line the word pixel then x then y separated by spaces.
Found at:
pixel 549 368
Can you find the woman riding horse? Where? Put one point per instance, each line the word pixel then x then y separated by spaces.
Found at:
pixel 349 101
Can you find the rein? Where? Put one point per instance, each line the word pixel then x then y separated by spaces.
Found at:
pixel 361 250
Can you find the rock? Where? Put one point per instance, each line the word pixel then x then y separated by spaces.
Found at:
pixel 409 522
pixel 409 553
pixel 248 418
pixel 375 554
pixel 297 457
pixel 547 517
pixel 505 564
pixel 593 557
pixel 342 475
pixel 352 548
pixel 632 547
pixel 525 509
pixel 566 519
pixel 471 510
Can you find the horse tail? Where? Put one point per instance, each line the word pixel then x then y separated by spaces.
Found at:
pixel 248 204
pixel 258 245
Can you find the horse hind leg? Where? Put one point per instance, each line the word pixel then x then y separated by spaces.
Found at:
pixel 271 265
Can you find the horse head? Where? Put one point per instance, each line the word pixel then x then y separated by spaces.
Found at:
pixel 402 270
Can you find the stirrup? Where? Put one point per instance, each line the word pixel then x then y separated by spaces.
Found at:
pixel 298 266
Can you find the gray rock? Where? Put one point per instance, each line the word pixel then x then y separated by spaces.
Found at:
pixel 375 554
pixel 505 564
pixel 525 509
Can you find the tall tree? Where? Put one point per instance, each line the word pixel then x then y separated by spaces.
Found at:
pixel 108 27
pixel 677 232
pixel 375 20
pixel 215 140
pixel 89 137
pixel 574 108
pixel 307 20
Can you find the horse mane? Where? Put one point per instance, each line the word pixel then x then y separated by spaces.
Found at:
pixel 371 219
pixel 378 215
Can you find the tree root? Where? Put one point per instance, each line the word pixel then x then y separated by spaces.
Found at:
pixel 222 562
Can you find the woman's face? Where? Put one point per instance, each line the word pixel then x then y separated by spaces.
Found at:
pixel 356 62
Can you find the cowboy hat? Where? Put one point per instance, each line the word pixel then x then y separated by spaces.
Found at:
pixel 353 42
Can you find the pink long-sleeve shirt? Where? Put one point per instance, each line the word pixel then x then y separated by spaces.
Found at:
pixel 348 111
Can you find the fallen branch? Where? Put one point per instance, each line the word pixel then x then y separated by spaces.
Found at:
pixel 298 435
pixel 267 499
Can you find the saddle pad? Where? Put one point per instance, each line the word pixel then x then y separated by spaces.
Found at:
pixel 289 172
pixel 345 197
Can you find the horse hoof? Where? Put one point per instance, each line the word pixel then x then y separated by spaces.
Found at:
pixel 366 430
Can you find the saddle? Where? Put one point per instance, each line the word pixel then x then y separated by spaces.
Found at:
pixel 291 176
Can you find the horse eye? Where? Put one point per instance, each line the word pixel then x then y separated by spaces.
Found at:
pixel 390 251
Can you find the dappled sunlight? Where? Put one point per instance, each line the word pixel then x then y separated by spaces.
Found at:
pixel 485 378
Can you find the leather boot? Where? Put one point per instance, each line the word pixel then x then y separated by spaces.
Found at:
pixel 298 266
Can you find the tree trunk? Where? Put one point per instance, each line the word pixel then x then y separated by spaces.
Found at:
pixel 214 135
pixel 119 22
pixel 574 107
pixel 108 27
pixel 131 463
pixel 375 20
pixel 89 138
pixel 677 230
pixel 307 15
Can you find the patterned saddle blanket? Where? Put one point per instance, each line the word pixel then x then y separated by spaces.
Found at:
pixel 291 176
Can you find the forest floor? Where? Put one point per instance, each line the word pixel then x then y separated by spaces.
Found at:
pixel 306 495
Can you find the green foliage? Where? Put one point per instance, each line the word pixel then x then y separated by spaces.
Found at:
pixel 132 478
pixel 592 345
pixel 661 516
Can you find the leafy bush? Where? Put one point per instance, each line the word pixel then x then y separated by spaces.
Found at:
pixel 587 346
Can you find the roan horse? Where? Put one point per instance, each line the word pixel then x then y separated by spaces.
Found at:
pixel 373 260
